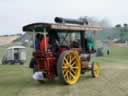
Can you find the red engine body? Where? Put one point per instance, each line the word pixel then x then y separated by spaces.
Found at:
pixel 47 62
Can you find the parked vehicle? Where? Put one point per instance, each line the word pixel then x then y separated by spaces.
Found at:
pixel 14 54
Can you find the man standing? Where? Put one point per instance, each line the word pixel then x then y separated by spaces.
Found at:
pixel 43 43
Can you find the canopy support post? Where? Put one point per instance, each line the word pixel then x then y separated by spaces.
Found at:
pixel 33 37
pixel 44 33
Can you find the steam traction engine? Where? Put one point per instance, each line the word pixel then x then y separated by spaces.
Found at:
pixel 67 55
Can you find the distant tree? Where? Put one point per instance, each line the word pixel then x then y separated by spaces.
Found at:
pixel 122 29
pixel 5 35
pixel 19 34
pixel 125 25
pixel 118 26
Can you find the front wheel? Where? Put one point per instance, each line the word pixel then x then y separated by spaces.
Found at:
pixel 69 67
pixel 95 70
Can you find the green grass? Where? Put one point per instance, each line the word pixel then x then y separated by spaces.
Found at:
pixel 2 51
pixel 118 55
pixel 15 80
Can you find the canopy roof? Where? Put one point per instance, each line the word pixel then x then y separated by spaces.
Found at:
pixel 39 27
pixel 19 47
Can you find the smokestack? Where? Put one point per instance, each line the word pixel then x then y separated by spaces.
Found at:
pixel 70 21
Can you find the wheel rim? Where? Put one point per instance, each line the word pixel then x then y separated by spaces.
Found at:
pixel 71 68
pixel 96 70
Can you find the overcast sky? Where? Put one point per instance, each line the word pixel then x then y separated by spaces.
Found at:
pixel 16 13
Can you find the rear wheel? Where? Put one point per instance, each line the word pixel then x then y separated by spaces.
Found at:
pixel 69 67
pixel 95 70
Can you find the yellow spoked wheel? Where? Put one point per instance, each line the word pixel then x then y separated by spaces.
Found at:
pixel 95 70
pixel 69 67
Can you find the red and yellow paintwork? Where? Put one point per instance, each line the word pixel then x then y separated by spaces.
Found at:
pixel 47 62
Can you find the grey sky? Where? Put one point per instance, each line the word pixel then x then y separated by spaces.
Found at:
pixel 16 13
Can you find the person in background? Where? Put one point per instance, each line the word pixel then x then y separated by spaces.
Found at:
pixel 108 51
pixel 37 42
pixel 91 45
pixel 43 43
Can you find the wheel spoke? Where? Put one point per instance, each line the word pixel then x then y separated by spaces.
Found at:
pixel 71 75
pixel 73 63
pixel 67 77
pixel 64 71
pixel 75 67
pixel 73 71
pixel 96 68
pixel 73 59
pixel 66 60
pixel 66 74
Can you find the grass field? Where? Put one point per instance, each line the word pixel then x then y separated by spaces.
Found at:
pixel 15 80
pixel 118 55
